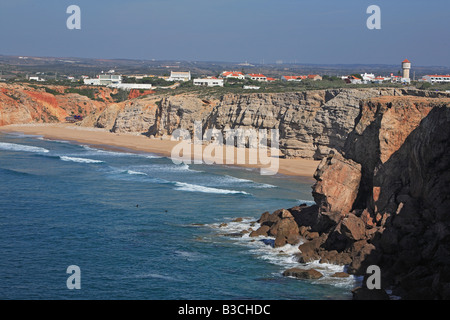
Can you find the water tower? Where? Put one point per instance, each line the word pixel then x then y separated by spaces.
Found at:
pixel 406 66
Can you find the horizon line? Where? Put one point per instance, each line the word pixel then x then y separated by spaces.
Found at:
pixel 219 61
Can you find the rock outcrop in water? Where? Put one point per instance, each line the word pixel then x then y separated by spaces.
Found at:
pixel 385 200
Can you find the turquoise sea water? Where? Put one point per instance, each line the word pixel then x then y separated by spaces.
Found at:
pixel 141 227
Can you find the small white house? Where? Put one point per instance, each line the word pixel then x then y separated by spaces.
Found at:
pixel 233 75
pixel 256 77
pixel 36 79
pixel 367 76
pixel 209 82
pixel 179 76
pixel 103 80
pixel 92 81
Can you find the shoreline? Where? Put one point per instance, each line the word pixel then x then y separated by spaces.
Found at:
pixel 101 137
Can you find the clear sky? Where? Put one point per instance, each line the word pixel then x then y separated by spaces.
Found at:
pixel 302 31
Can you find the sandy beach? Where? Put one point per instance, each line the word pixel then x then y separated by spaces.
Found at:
pixel 164 147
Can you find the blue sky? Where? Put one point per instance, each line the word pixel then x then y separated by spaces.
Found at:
pixel 320 31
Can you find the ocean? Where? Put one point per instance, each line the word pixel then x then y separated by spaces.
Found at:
pixel 139 226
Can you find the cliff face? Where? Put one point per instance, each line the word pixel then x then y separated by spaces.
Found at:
pixel 310 123
pixel 26 104
pixel 385 200
pixel 411 191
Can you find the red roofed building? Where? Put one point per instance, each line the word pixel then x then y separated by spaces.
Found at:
pixel 293 78
pixel 256 77
pixel 314 77
pixel 233 74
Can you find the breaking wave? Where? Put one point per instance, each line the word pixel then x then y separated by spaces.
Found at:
pixel 181 186
pixel 21 147
pixel 261 247
pixel 79 160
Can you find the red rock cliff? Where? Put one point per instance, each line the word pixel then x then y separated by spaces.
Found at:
pixel 21 103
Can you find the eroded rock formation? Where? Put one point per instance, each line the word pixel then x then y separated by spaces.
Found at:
pixel 385 200
pixel 310 123
pixel 21 104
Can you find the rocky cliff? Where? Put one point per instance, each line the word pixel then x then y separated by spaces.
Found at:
pixel 30 104
pixel 384 200
pixel 310 123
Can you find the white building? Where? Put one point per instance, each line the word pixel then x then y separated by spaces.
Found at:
pixel 367 76
pixel 256 77
pixel 103 80
pixel 209 82
pixel 233 75
pixel 36 79
pixel 436 78
pixel 130 86
pixel 379 79
pixel 179 76
pixel 251 88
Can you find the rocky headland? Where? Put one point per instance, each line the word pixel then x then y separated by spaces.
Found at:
pixel 382 200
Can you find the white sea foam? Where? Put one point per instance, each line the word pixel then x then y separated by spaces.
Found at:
pixel 307 202
pixel 136 172
pixel 283 257
pixel 119 153
pixel 174 168
pixel 227 180
pixel 234 179
pixel 107 152
pixel 156 276
pixel 181 186
pixel 53 140
pixel 233 226
pixel 21 147
pixel 264 186
pixel 79 160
